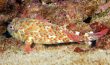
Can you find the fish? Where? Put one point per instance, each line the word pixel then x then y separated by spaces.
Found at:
pixel 29 31
pixel 36 31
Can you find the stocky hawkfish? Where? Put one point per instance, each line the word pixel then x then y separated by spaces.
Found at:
pixel 40 32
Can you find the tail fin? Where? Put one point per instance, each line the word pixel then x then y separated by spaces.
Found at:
pixel 102 33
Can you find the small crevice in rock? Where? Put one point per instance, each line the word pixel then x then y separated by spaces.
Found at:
pixel 87 20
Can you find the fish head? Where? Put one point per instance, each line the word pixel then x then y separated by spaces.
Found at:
pixel 15 29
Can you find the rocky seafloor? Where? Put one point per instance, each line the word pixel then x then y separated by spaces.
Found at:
pixel 53 55
pixel 81 12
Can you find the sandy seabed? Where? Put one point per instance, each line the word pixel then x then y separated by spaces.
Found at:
pixel 61 56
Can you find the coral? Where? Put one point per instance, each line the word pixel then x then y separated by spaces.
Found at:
pixel 2 29
pixel 104 42
pixel 104 6
pixel 59 13
pixel 9 43
pixel 2 4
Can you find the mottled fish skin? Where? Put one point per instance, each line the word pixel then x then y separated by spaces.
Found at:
pixel 36 31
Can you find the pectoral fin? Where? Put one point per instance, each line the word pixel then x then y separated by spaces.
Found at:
pixel 73 37
pixel 27 48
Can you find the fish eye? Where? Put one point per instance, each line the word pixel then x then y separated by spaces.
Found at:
pixel 11 27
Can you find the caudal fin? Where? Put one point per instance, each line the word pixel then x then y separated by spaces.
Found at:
pixel 102 33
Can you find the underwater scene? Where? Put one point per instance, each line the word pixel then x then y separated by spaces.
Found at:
pixel 54 32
